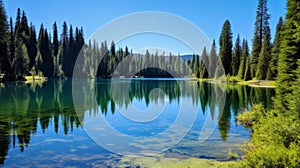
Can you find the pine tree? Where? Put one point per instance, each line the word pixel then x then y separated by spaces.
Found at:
pixel 11 45
pixel 55 40
pixel 236 57
pixel 18 23
pixel 226 47
pixel 288 55
pixel 294 104
pixel 262 21
pixel 71 37
pixel 264 56
pixel 4 56
pixel 219 70
pixel 32 49
pixel 65 49
pixel 197 67
pixel 204 64
pixel 64 35
pixel 24 25
pixel 275 50
pixel 213 58
pixel 247 75
pixel 38 64
pixel 243 62
pixel 20 62
pixel 44 47
pixel 113 57
pixel 56 59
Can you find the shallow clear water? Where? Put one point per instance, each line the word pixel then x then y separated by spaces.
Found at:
pixel 40 127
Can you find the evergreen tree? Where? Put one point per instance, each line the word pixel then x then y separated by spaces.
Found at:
pixel 11 45
pixel 4 56
pixel 32 49
pixel 219 70
pixel 71 37
pixel 204 64
pixel 213 58
pixel 55 40
pixel 236 57
pixel 65 49
pixel 64 35
pixel 197 67
pixel 294 104
pixel 24 28
pixel 264 56
pixel 247 75
pixel 288 55
pixel 243 62
pixel 38 64
pixel 113 57
pixel 226 47
pixel 192 63
pixel 45 50
pixel 275 50
pixel 18 22
pixel 20 62
pixel 261 22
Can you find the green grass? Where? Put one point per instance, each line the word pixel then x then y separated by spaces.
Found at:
pixel 258 83
pixel 238 81
pixel 30 79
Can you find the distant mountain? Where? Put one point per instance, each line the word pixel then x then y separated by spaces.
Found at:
pixel 187 57
pixel 184 57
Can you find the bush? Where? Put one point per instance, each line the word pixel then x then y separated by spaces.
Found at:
pixel 232 79
pixel 232 155
pixel 275 142
pixel 248 118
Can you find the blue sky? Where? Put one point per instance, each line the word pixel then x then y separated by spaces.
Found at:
pixel 208 15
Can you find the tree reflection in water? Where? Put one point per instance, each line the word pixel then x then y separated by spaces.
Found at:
pixel 24 106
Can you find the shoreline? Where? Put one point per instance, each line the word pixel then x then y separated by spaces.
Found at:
pixel 251 83
pixel 259 83
pixel 26 79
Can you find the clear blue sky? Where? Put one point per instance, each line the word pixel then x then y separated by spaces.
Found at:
pixel 208 15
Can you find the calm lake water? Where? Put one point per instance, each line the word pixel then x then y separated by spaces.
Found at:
pixel 40 127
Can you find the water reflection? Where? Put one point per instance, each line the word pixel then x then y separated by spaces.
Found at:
pixel 25 107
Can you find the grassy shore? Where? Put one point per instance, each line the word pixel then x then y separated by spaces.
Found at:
pixel 259 83
pixel 31 79
pixel 251 83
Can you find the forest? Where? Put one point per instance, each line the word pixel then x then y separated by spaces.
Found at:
pixel 24 52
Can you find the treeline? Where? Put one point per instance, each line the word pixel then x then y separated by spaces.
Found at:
pixel 236 60
pixel 24 53
pixel 120 63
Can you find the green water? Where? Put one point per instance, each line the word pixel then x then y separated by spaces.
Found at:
pixel 39 125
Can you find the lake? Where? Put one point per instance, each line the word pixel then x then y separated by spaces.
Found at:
pixel 41 126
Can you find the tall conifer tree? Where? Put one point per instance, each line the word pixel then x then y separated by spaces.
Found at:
pixel 262 21
pixel 226 48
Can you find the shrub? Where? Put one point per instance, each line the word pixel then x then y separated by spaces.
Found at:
pixel 275 142
pixel 232 79
pixel 247 118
